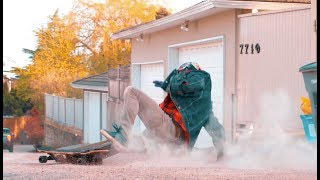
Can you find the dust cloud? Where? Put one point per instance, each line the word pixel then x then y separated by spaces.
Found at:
pixel 267 147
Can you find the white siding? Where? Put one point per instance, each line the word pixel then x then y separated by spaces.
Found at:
pixel 273 74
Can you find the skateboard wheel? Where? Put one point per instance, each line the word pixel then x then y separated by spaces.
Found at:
pixel 59 158
pixel 43 159
pixel 98 161
pixel 81 160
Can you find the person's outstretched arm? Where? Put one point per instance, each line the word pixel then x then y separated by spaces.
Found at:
pixel 165 84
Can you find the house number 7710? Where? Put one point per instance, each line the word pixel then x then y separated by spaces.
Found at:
pixel 244 48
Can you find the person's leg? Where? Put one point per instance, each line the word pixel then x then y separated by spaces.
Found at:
pixel 157 122
pixel 217 133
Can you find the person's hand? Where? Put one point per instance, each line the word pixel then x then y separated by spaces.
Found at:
pixel 157 83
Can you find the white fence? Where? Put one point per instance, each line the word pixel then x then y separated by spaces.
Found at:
pixel 63 110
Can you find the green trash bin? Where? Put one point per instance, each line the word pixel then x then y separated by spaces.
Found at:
pixel 309 72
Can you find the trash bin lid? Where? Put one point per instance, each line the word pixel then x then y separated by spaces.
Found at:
pixel 309 67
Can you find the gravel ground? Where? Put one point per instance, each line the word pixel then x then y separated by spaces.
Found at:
pixel 23 164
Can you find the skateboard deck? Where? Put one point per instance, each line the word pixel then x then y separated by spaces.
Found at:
pixel 78 154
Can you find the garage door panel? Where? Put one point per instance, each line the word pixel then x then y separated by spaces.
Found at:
pixel 149 73
pixel 216 75
pixel 207 55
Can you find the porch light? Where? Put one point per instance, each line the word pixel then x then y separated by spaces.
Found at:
pixel 254 10
pixel 185 26
pixel 140 37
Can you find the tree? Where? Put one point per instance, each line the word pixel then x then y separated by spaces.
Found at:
pixel 100 20
pixel 78 44
pixel 35 128
pixel 7 100
pixel 162 12
pixel 29 51
pixel 55 63
pixel 13 104
pixel 23 86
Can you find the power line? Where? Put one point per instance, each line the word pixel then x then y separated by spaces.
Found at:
pixel 8 59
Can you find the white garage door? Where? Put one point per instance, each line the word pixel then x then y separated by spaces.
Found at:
pixel 149 73
pixel 210 58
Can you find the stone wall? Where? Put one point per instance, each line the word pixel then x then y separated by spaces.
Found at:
pixel 58 135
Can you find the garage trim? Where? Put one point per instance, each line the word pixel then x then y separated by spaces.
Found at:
pixel 151 62
pixel 138 126
pixel 136 72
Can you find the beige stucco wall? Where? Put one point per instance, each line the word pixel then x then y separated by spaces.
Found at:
pixel 155 48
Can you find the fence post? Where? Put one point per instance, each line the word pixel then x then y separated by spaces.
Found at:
pixel 45 105
pixel 51 111
pixel 65 110
pixel 58 108
pixel 74 112
pixel 52 107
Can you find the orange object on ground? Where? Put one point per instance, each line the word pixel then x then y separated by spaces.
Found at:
pixel 306 105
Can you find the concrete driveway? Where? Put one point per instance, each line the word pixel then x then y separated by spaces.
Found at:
pixel 23 164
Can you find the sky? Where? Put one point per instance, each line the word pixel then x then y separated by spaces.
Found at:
pixel 21 18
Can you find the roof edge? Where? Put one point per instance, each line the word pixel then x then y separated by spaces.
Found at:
pixel 98 88
pixel 198 8
pixel 88 77
pixel 264 5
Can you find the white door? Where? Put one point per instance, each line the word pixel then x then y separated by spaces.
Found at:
pixel 149 73
pixel 92 117
pixel 210 58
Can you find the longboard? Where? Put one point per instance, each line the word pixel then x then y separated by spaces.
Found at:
pixel 78 154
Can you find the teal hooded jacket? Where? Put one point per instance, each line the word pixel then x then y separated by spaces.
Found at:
pixel 190 91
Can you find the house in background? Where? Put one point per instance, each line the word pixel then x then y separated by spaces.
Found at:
pixel 70 121
pixel 250 48
pixel 95 92
pixel 9 81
